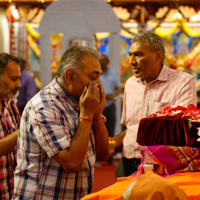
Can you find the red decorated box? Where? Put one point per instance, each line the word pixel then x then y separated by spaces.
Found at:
pixel 177 126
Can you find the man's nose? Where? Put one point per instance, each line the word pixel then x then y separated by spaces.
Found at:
pixel 98 81
pixel 132 59
pixel 18 85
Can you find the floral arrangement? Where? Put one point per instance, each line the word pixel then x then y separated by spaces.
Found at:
pixel 191 112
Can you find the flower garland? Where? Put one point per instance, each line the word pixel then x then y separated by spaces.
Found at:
pixel 32 39
pixel 160 33
pixel 34 46
pixel 32 32
pixel 190 112
pixel 180 24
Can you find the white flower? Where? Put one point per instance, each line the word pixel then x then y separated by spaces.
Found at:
pixel 198 140
pixel 198 133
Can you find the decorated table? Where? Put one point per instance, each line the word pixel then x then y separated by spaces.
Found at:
pixel 173 138
pixel 178 126
pixel 188 182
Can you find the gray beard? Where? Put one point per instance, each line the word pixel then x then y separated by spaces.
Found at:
pixel 5 93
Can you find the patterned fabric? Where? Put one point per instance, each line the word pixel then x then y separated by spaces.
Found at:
pixel 47 126
pixel 9 122
pixel 171 159
pixel 171 88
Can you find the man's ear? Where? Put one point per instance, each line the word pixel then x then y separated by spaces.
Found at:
pixel 69 75
pixel 159 56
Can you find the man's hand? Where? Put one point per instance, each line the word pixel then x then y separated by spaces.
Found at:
pixel 99 111
pixel 90 100
pixel 8 143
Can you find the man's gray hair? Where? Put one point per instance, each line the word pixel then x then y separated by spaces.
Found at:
pixel 5 58
pixel 153 42
pixel 72 59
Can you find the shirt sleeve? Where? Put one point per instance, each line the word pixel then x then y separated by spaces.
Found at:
pixel 51 129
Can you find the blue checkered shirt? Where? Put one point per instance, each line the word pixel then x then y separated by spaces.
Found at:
pixel 47 126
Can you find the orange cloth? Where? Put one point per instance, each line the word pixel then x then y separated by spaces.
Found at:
pixel 188 182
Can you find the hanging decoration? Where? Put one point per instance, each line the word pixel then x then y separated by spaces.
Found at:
pixel 32 32
pixel 175 14
pixel 31 16
pixel 33 45
pixel 186 61
pixel 12 15
pixel 189 31
pixel 161 33
pixel 179 25
pixel 139 15
pixel 4 32
pixel 122 13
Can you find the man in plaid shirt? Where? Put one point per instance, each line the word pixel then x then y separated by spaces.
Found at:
pixel 62 132
pixel 9 122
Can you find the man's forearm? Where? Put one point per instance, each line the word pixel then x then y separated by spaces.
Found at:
pixel 119 139
pixel 101 140
pixel 71 158
pixel 8 143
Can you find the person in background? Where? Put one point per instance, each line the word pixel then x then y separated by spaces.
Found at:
pixel 111 85
pixel 62 131
pixel 152 87
pixel 28 89
pixel 9 122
